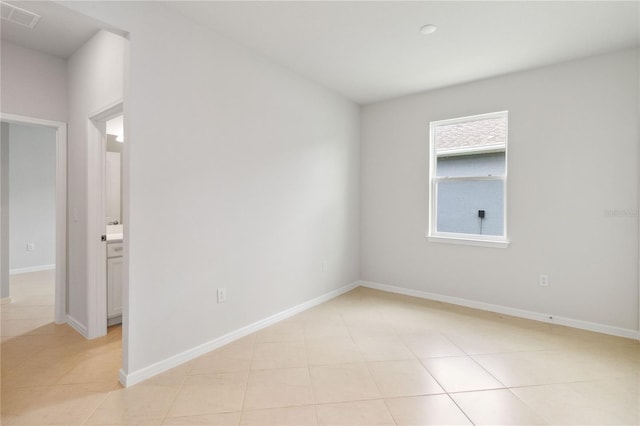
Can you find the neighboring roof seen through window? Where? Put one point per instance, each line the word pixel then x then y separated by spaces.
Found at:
pixel 479 135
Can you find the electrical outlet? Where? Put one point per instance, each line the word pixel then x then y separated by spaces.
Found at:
pixel 31 246
pixel 222 295
pixel 543 280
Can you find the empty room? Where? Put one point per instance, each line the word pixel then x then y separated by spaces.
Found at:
pixel 320 212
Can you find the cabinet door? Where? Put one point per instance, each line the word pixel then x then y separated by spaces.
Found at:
pixel 114 287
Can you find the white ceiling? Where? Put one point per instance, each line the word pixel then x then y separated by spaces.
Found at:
pixel 59 32
pixel 373 50
pixel 369 51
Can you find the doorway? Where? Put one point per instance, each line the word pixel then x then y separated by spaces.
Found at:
pixel 103 231
pixel 114 218
pixel 59 238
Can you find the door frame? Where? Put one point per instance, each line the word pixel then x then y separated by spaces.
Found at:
pixel 61 205
pixel 96 208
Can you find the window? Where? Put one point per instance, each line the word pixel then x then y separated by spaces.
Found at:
pixel 468 180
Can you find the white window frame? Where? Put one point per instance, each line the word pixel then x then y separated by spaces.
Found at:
pixel 499 241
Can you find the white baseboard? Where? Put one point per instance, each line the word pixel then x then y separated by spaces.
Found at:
pixel 5 300
pixel 521 313
pixel 114 320
pixel 77 326
pixel 17 271
pixel 129 379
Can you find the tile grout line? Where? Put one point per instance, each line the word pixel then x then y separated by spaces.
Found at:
pixel 534 411
pixel 488 372
pixel 306 354
pixel 246 384
pixel 367 366
pixel 84 422
pixel 446 392
pixel 366 363
pixel 175 397
pixel 460 408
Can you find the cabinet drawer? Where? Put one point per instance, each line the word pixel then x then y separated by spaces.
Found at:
pixel 114 250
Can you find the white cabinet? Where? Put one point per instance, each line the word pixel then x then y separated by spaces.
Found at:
pixel 114 283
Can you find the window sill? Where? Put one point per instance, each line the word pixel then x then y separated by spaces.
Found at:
pixel 468 241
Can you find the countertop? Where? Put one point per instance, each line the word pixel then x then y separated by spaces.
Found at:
pixel 114 238
pixel 114 233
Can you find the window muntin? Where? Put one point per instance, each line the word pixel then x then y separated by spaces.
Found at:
pixel 469 173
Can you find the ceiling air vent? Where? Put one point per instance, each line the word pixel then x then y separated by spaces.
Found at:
pixel 19 16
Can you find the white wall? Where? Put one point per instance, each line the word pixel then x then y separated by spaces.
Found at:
pixel 242 175
pixel 4 211
pixel 32 197
pixel 573 155
pixel 96 76
pixel 34 84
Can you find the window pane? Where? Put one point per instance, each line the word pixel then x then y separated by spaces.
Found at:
pixel 471 165
pixel 458 204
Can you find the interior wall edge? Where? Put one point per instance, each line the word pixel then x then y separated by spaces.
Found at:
pixel 77 326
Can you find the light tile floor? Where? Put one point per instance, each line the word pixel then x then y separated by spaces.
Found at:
pixel 364 358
